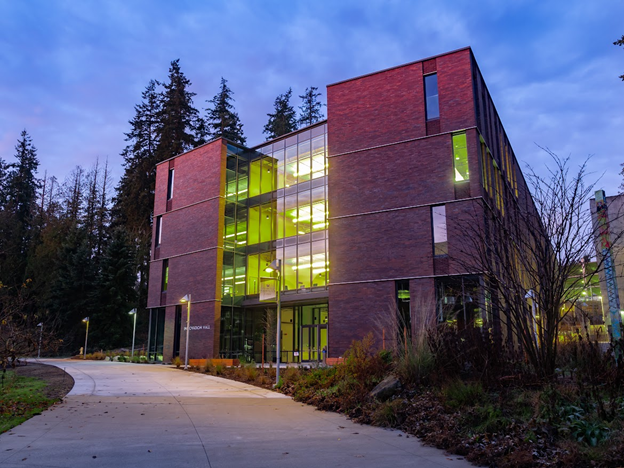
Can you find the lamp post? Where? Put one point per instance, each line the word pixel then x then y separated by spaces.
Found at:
pixel 187 299
pixel 86 320
pixel 40 326
pixel 276 267
pixel 133 312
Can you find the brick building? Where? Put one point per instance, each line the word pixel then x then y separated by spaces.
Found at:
pixel 363 210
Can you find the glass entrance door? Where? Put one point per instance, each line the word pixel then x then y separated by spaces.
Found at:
pixel 313 340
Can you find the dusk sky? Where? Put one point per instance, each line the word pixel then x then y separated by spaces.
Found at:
pixel 72 71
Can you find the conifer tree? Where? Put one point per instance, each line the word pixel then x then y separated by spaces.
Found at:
pixel 22 181
pixel 284 119
pixel 17 219
pixel 221 119
pixel 310 107
pixel 115 294
pixel 179 121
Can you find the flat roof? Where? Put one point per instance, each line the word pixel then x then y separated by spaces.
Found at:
pixel 400 66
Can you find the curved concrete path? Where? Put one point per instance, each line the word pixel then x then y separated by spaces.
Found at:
pixel 133 415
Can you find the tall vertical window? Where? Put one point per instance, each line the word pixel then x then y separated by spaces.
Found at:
pixel 170 184
pixel 165 275
pixel 431 97
pixel 158 230
pixel 460 157
pixel 438 219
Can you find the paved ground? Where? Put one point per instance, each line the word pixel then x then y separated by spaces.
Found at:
pixel 130 415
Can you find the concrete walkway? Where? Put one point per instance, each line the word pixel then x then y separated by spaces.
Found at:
pixel 132 415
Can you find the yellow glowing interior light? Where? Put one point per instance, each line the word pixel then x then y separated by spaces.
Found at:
pixel 230 235
pixel 241 191
pixel 319 264
pixel 239 282
pixel 228 278
pixel 301 232
pixel 458 176
pixel 318 226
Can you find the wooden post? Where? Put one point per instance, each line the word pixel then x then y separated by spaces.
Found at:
pixel 263 350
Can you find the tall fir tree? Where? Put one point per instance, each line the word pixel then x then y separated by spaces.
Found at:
pixel 179 121
pixel 115 294
pixel 221 118
pixel 283 120
pixel 310 107
pixel 134 200
pixel 17 229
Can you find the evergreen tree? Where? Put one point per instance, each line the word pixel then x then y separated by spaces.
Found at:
pixel 310 107
pixel 284 119
pixel 17 217
pixel 178 120
pixel 134 201
pixel 115 294
pixel 222 120
pixel 72 297
pixel 4 189
pixel 22 182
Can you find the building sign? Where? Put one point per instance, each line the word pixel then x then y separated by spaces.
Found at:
pixel 267 289
pixel 198 327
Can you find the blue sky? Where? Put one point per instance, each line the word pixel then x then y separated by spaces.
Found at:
pixel 71 71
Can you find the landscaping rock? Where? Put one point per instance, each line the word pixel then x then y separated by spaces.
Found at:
pixel 386 388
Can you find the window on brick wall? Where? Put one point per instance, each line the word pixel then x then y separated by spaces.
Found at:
pixel 158 230
pixel 438 220
pixel 432 105
pixel 165 276
pixel 170 184
pixel 460 157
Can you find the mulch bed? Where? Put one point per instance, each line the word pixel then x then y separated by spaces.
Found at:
pixel 59 382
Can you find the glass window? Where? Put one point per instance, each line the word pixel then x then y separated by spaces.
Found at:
pixel 290 215
pixel 304 266
pixel 438 217
pixel 460 157
pixel 268 176
pixel 253 230
pixel 253 282
pixel 165 275
pixel 170 184
pixel 290 268
pixel 319 264
pixel 431 97
pixel 266 223
pixel 158 230
pixel 254 178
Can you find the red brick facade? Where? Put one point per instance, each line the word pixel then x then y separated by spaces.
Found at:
pixel 388 166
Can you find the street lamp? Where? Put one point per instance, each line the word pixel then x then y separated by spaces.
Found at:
pixel 187 299
pixel 276 267
pixel 86 320
pixel 134 313
pixel 40 326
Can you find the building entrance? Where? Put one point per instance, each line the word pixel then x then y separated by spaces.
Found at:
pixel 313 340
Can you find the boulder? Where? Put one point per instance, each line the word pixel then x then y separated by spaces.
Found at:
pixel 386 388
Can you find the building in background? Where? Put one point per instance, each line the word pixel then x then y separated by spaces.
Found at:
pixel 367 212
pixel 615 214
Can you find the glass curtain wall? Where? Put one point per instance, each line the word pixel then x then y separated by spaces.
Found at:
pixel 275 207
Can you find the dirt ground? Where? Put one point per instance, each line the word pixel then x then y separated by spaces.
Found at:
pixel 59 382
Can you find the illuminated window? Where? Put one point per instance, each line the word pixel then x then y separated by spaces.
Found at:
pixel 438 219
pixel 170 184
pixel 460 157
pixel 165 275
pixel 158 230
pixel 431 97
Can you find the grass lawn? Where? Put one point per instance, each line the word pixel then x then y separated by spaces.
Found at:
pixel 20 399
